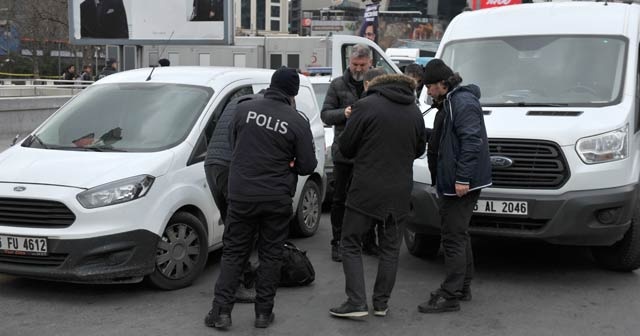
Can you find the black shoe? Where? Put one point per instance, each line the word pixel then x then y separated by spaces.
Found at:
pixel 371 250
pixel 264 320
pixel 245 295
pixel 464 294
pixel 349 310
pixel 336 253
pixel 217 318
pixel 438 303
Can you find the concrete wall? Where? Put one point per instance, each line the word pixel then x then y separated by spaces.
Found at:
pixel 22 115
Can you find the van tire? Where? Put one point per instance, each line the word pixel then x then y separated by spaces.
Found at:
pixel 190 257
pixel 421 244
pixel 307 217
pixel 623 256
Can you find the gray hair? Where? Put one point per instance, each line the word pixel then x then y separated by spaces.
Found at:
pixel 360 51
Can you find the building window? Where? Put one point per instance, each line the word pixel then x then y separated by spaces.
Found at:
pixel 293 61
pixel 261 14
pixel 245 14
pixel 275 60
pixel 275 11
pixel 275 25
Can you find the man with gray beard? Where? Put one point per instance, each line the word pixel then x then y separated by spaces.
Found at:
pixel 343 92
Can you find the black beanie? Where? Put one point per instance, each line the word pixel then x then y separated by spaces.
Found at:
pixel 286 80
pixel 436 71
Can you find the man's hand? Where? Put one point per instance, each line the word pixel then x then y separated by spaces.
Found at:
pixel 462 189
pixel 292 163
pixel 347 112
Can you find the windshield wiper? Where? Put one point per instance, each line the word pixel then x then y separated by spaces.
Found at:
pixel 104 149
pixel 40 142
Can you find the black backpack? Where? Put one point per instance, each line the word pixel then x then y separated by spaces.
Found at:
pixel 296 267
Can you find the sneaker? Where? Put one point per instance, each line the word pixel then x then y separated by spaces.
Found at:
pixel 464 294
pixel 438 303
pixel 245 295
pixel 349 310
pixel 336 253
pixel 264 320
pixel 380 311
pixel 217 318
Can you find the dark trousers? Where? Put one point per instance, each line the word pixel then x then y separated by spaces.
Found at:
pixel 455 213
pixel 271 221
pixel 218 181
pixel 342 173
pixel 389 235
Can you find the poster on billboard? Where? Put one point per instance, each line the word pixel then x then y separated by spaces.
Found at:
pixel 150 21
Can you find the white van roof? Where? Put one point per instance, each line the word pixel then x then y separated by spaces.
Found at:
pixel 566 18
pixel 192 75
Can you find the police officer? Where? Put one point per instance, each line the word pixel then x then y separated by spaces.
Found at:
pixel 272 144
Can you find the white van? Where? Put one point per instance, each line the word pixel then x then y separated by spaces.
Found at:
pixel 561 99
pixel 111 188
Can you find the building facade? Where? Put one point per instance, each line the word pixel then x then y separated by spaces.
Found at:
pixel 261 17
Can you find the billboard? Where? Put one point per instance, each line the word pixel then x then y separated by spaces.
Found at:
pixel 150 21
pixel 493 3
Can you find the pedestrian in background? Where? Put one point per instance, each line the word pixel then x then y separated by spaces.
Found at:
pixel 110 68
pixel 415 71
pixel 69 73
pixel 271 145
pixel 462 169
pixel 343 92
pixel 86 73
pixel 384 135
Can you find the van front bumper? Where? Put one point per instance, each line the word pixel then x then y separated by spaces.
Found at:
pixel 587 218
pixel 119 258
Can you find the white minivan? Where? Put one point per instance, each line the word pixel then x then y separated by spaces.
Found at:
pixel 560 89
pixel 111 188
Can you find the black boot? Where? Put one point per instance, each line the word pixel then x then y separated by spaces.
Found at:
pixel 439 302
pixel 218 318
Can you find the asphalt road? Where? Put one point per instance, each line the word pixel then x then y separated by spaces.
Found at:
pixel 521 288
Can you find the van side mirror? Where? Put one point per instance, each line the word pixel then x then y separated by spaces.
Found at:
pixel 15 139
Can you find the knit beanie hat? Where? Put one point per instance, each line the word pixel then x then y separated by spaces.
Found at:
pixel 436 71
pixel 286 80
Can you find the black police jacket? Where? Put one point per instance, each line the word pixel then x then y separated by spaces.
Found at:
pixel 266 135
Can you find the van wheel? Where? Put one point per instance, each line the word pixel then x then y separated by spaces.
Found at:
pixel 307 218
pixel 623 256
pixel 420 244
pixel 181 253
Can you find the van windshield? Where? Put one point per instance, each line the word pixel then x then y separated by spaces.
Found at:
pixel 128 117
pixel 542 70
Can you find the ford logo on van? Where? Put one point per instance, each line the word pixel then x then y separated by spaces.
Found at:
pixel 19 189
pixel 501 162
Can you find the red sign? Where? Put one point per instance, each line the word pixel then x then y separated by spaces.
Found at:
pixel 306 22
pixel 494 3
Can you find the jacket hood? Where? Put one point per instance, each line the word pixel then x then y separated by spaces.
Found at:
pixel 472 88
pixel 397 88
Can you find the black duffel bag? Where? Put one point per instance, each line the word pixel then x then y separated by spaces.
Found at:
pixel 296 267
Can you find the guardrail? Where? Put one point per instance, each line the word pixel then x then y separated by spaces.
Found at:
pixel 11 87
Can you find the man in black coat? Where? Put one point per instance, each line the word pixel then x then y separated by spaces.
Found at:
pixel 384 135
pixel 460 149
pixel 271 145
pixel 343 92
pixel 207 10
pixel 103 19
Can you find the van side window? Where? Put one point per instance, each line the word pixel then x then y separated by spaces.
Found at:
pixel 200 150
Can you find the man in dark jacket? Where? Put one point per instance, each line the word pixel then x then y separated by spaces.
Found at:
pixel 103 19
pixel 110 68
pixel 216 168
pixel 384 134
pixel 463 168
pixel 271 145
pixel 343 92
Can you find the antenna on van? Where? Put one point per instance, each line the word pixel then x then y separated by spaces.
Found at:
pixel 153 67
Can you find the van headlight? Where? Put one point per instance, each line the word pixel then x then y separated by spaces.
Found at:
pixel 116 192
pixel 606 147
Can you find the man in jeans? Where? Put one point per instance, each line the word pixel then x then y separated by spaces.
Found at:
pixel 460 150
pixel 384 134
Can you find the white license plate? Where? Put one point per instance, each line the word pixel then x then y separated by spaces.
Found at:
pixel 501 207
pixel 23 245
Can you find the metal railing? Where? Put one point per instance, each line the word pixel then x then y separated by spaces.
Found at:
pixel 30 87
